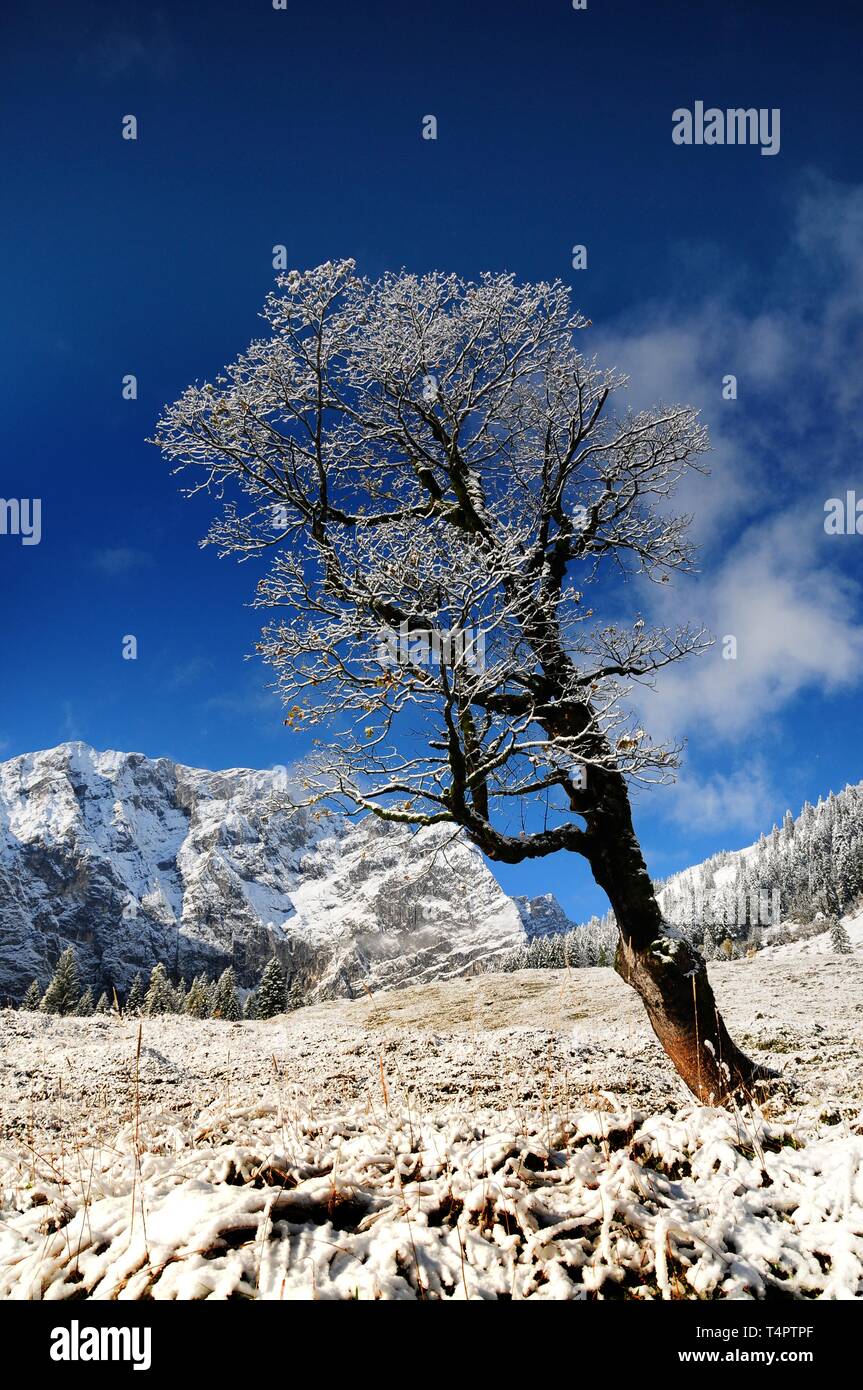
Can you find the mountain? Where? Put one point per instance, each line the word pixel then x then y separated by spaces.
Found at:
pixel 542 916
pixel 132 860
pixel 809 869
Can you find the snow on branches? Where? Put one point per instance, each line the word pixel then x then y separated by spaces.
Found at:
pixel 425 456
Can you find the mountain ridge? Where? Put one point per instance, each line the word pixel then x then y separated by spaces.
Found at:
pixel 133 859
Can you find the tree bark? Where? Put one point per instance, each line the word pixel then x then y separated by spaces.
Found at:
pixel 668 973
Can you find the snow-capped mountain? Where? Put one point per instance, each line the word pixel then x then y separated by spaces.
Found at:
pixel 542 916
pixel 132 860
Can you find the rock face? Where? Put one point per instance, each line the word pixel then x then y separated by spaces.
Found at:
pixel 542 916
pixel 132 860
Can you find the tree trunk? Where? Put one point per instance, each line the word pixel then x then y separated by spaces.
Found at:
pixel 668 973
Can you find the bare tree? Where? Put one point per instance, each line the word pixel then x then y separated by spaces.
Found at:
pixel 442 482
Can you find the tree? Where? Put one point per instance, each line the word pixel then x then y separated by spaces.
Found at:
pixel 85 1006
pixel 250 1006
pixel 296 997
pixel 197 1003
pixel 440 480
pixel 102 1004
pixel 271 990
pixel 159 998
pixel 64 991
pixel 839 938
pixel 33 998
pixel 227 1005
pixel 135 997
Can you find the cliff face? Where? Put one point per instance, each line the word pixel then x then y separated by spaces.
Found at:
pixel 132 860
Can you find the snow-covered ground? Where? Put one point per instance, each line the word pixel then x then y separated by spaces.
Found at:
pixel 515 1135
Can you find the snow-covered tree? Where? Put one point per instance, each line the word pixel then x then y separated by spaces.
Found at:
pixel 271 991
pixel 33 998
pixel 64 991
pixel 103 1005
pixel 709 945
pixel 296 994
pixel 250 1005
pixel 424 457
pixel 85 1006
pixel 159 998
pixel 135 997
pixel 227 1005
pixel 197 1004
pixel 839 938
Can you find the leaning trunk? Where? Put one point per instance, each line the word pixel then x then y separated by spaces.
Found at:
pixel 668 973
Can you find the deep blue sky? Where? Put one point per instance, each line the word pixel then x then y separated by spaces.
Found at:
pixel 302 127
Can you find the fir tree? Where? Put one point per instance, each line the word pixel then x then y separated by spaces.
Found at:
pixel 708 944
pixel 85 1005
pixel 271 991
pixel 159 998
pixel 179 999
pixel 33 998
pixel 250 1007
pixel 227 1004
pixel 135 997
pixel 839 938
pixel 197 1003
pixel 64 991
pixel 296 997
pixel 103 1005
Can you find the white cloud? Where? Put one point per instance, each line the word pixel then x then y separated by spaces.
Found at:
pixel 794 618
pixel 769 576
pixel 721 801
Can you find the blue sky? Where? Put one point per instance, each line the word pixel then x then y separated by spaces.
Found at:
pixel 302 127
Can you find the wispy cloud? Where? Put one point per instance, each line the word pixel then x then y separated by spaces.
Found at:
pixel 795 623
pixel 721 801
pixel 769 576
pixel 140 41
pixel 120 559
pixel 186 673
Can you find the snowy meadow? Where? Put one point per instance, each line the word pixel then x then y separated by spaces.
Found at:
pixel 508 1136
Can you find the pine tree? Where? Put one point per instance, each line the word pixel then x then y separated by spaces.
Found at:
pixel 179 1000
pixel 708 944
pixel 197 1003
pixel 227 1005
pixel 64 991
pixel 296 997
pixel 159 998
pixel 135 997
pixel 839 938
pixel 271 991
pixel 103 1005
pixel 33 998
pixel 250 1007
pixel 85 1005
